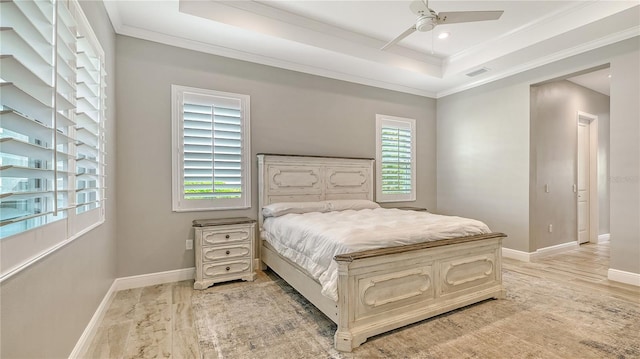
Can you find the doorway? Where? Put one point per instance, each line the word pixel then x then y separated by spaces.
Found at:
pixel 587 178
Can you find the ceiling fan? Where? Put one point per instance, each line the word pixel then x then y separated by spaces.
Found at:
pixel 428 19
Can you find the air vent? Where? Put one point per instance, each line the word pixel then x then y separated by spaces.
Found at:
pixel 478 72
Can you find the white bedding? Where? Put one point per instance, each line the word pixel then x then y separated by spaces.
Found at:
pixel 311 240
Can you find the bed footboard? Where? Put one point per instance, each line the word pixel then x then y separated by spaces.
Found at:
pixel 381 290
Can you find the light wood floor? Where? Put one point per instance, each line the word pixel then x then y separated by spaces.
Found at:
pixel 157 321
pixel 584 267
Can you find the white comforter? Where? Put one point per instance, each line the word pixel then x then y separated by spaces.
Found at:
pixel 311 240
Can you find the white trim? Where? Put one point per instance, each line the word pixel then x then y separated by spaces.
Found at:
pixel 82 19
pixel 123 283
pixel 591 122
pixel 207 96
pixel 517 255
pixel 540 253
pixel 604 237
pixel 551 250
pixel 123 29
pixel 401 123
pixel 113 10
pixel 28 262
pixel 527 27
pixel 266 60
pixel 80 350
pixel 624 277
pixel 145 280
pixel 557 56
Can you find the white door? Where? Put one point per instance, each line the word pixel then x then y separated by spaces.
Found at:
pixel 583 182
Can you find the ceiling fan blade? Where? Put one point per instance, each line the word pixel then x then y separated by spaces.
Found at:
pixel 408 32
pixel 453 17
pixel 419 7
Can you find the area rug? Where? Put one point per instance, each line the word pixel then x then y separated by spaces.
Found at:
pixel 538 319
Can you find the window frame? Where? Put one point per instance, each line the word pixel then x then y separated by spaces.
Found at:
pixel 179 204
pixel 63 26
pixel 398 122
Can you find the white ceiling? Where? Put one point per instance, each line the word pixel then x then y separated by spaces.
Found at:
pixel 341 39
pixel 596 80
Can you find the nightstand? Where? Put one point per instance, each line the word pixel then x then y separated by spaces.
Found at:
pixel 419 209
pixel 224 250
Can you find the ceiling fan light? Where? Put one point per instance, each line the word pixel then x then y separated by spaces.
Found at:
pixel 424 23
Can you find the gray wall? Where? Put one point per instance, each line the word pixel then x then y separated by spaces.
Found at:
pixel 604 159
pixel 483 158
pixel 46 307
pixel 625 163
pixel 291 113
pixel 554 108
pixel 483 147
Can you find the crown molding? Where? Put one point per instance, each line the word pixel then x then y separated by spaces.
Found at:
pixel 559 55
pixel 265 60
pixel 420 83
pixel 530 26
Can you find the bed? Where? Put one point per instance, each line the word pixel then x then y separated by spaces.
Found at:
pixel 379 289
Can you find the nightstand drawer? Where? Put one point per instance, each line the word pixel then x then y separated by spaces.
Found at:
pixel 221 269
pixel 230 252
pixel 227 236
pixel 224 250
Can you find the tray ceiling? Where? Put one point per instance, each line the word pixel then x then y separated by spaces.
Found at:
pixel 342 39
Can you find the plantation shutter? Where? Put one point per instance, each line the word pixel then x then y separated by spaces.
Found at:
pixel 33 174
pixel 90 144
pixel 41 134
pixel 214 150
pixel 396 159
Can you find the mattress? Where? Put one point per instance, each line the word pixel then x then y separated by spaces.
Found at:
pixel 311 240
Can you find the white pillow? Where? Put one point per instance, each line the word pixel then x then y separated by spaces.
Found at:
pixel 282 208
pixel 355 204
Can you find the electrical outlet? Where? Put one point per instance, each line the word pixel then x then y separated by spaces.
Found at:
pixel 189 244
pixel 550 228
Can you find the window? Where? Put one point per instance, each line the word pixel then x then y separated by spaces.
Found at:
pixel 396 159
pixel 52 111
pixel 211 165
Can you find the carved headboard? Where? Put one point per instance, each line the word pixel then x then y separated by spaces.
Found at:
pixel 291 178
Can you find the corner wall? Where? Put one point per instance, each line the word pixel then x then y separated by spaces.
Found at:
pixel 554 108
pixel 483 159
pixel 625 163
pixel 483 149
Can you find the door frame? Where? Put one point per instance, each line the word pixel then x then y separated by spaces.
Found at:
pixel 592 121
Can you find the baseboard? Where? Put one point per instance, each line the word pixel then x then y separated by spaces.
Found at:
pixel 624 277
pixel 517 255
pixel 551 250
pixel 146 280
pixel 89 332
pixel 604 237
pixel 123 283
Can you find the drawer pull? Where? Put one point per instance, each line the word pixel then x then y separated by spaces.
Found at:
pixel 228 252
pixel 228 268
pixel 227 236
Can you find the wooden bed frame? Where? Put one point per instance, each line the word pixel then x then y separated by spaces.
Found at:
pixel 383 289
